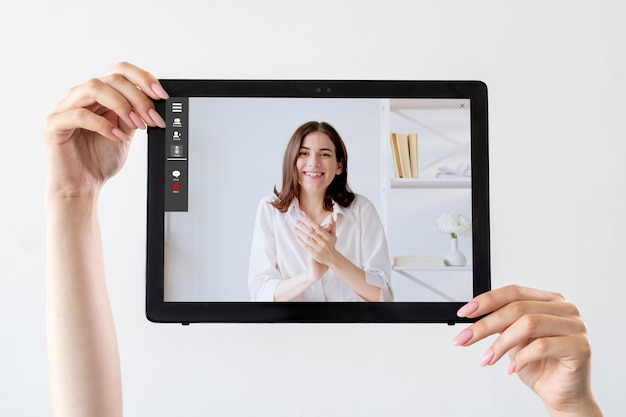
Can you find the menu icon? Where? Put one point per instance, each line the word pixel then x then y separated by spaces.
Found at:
pixel 177 107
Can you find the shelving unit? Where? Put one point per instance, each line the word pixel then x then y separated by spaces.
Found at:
pixel 449 148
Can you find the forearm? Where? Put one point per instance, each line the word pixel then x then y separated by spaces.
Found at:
pixel 83 361
pixel 355 277
pixel 288 289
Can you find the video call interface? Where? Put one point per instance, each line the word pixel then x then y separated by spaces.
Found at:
pixel 225 154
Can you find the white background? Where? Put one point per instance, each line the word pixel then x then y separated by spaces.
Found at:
pixel 555 72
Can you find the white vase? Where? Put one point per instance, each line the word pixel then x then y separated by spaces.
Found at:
pixel 454 257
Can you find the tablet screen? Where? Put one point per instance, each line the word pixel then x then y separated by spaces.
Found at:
pixel 413 155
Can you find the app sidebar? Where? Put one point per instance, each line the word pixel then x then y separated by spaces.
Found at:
pixel 176 154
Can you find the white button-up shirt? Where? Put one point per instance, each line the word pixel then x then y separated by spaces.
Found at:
pixel 277 255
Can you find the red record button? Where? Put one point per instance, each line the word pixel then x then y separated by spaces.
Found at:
pixel 176 186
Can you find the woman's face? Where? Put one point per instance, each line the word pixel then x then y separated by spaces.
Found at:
pixel 316 163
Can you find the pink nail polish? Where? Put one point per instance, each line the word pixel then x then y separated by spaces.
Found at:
pixel 159 91
pixel 487 357
pixel 467 309
pixel 139 124
pixel 512 368
pixel 118 133
pixel 156 117
pixel 463 337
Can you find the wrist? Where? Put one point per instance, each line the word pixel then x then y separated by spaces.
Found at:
pixel 72 195
pixel 70 202
pixel 335 260
pixel 588 408
pixel 312 276
pixel 71 187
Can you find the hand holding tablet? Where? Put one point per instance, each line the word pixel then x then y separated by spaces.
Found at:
pixel 546 341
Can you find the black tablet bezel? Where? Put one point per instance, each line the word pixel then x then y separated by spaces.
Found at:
pixel 157 310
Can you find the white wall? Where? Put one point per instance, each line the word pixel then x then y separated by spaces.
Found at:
pixel 555 72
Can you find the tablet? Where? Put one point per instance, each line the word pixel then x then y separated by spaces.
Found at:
pixel 226 191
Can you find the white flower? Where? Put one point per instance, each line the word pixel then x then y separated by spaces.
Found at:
pixel 454 224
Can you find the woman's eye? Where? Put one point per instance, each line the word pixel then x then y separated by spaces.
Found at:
pixel 302 153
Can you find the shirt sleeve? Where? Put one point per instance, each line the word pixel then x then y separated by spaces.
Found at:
pixel 375 252
pixel 263 275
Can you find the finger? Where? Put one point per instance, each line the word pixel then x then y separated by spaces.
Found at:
pixel 311 224
pixel 138 101
pixel 302 228
pixel 500 320
pixel 114 93
pixel 60 126
pixel 304 242
pixel 530 328
pixel 323 233
pixel 141 78
pixel 310 229
pixel 493 300
pixel 97 96
pixel 138 86
pixel 565 348
pixel 312 241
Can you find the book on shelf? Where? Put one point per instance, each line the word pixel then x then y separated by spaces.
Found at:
pixel 412 138
pixel 418 260
pixel 404 154
pixel 395 154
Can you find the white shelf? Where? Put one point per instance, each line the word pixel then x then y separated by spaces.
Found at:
pixel 433 268
pixel 428 286
pixel 431 183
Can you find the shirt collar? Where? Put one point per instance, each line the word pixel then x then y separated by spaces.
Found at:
pixel 294 210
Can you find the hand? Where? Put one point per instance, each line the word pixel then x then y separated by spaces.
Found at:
pixel 89 132
pixel 319 242
pixel 546 340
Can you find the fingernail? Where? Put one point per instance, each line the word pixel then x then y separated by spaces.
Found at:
pixel 467 309
pixel 156 117
pixel 120 134
pixel 511 368
pixel 463 337
pixel 139 124
pixel 159 91
pixel 487 357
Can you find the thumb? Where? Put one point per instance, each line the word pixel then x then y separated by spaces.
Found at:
pixel 331 228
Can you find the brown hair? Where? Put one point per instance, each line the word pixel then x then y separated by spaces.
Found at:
pixel 338 190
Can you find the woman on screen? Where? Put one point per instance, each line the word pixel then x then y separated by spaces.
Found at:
pixel 316 240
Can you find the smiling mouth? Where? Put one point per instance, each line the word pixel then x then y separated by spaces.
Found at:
pixel 314 174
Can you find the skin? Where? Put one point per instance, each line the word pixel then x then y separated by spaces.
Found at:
pixel 546 341
pixel 87 140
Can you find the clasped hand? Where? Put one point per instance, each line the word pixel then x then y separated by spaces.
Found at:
pixel 319 241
